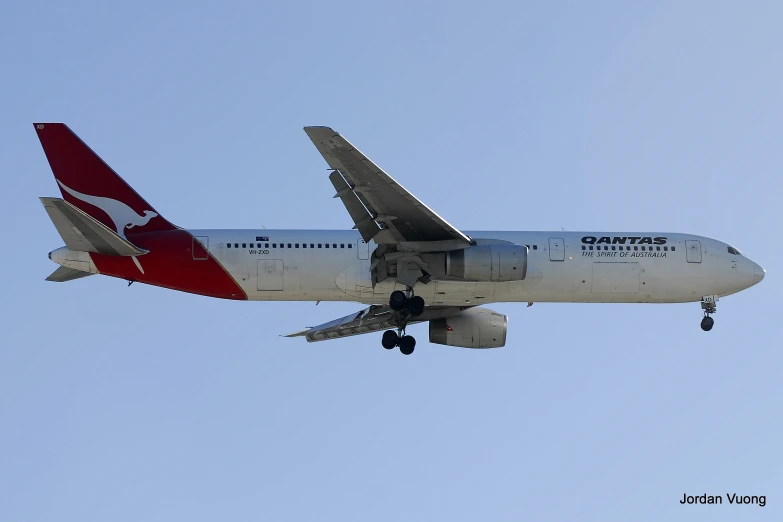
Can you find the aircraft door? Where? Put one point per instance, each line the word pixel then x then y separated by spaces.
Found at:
pixel 362 249
pixel 270 274
pixel 200 248
pixel 556 249
pixel 693 251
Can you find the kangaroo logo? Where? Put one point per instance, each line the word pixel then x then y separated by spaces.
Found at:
pixel 121 214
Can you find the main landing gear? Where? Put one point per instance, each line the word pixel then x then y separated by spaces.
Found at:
pixel 708 304
pixel 398 301
pixel 408 305
pixel 406 342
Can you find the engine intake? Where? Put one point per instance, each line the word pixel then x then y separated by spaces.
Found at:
pixel 488 263
pixel 473 328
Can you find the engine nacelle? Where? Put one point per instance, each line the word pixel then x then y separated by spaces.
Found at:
pixel 473 328
pixel 488 263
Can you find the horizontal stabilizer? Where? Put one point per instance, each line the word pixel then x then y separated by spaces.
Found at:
pixel 83 233
pixel 63 274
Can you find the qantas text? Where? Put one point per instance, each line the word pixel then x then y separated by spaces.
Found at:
pixel 622 240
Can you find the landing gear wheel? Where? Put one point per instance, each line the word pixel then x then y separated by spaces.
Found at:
pixel 390 339
pixel 397 300
pixel 407 344
pixel 416 305
pixel 707 323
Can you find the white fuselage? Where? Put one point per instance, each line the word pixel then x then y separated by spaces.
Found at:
pixel 289 265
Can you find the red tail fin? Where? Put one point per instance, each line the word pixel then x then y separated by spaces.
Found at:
pixel 92 186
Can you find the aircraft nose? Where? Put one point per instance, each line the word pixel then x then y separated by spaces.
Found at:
pixel 758 274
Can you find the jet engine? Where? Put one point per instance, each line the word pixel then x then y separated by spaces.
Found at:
pixel 488 263
pixel 473 328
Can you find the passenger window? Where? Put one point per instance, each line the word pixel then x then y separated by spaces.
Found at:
pixel 266 245
pixel 665 249
pixel 672 249
pixel 636 248
pixel 296 245
pixel 326 245
pixel 289 245
pixel 228 245
pixel 236 245
pixel 342 245
pixel 535 247
pixel 591 247
pixel 613 248
pixel 312 245
pixel 606 248
pixel 350 245
pixel 658 249
pixel 628 248
pixel 584 247
pixel 304 245
pixel 334 245
pixel 319 245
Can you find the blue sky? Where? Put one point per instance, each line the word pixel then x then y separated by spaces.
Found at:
pixel 139 403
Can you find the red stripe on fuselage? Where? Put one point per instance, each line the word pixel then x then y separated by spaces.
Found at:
pixel 170 264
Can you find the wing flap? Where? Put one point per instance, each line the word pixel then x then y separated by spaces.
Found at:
pixel 361 217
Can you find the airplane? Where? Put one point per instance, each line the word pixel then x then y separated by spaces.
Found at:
pixel 403 261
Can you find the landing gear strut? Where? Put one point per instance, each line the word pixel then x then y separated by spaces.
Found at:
pixel 708 305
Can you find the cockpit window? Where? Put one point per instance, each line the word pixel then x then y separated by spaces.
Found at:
pixel 734 251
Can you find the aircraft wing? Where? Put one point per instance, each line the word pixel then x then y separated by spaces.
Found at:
pixel 380 207
pixel 370 319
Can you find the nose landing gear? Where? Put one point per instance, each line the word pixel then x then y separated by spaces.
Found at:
pixel 708 304
pixel 707 323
